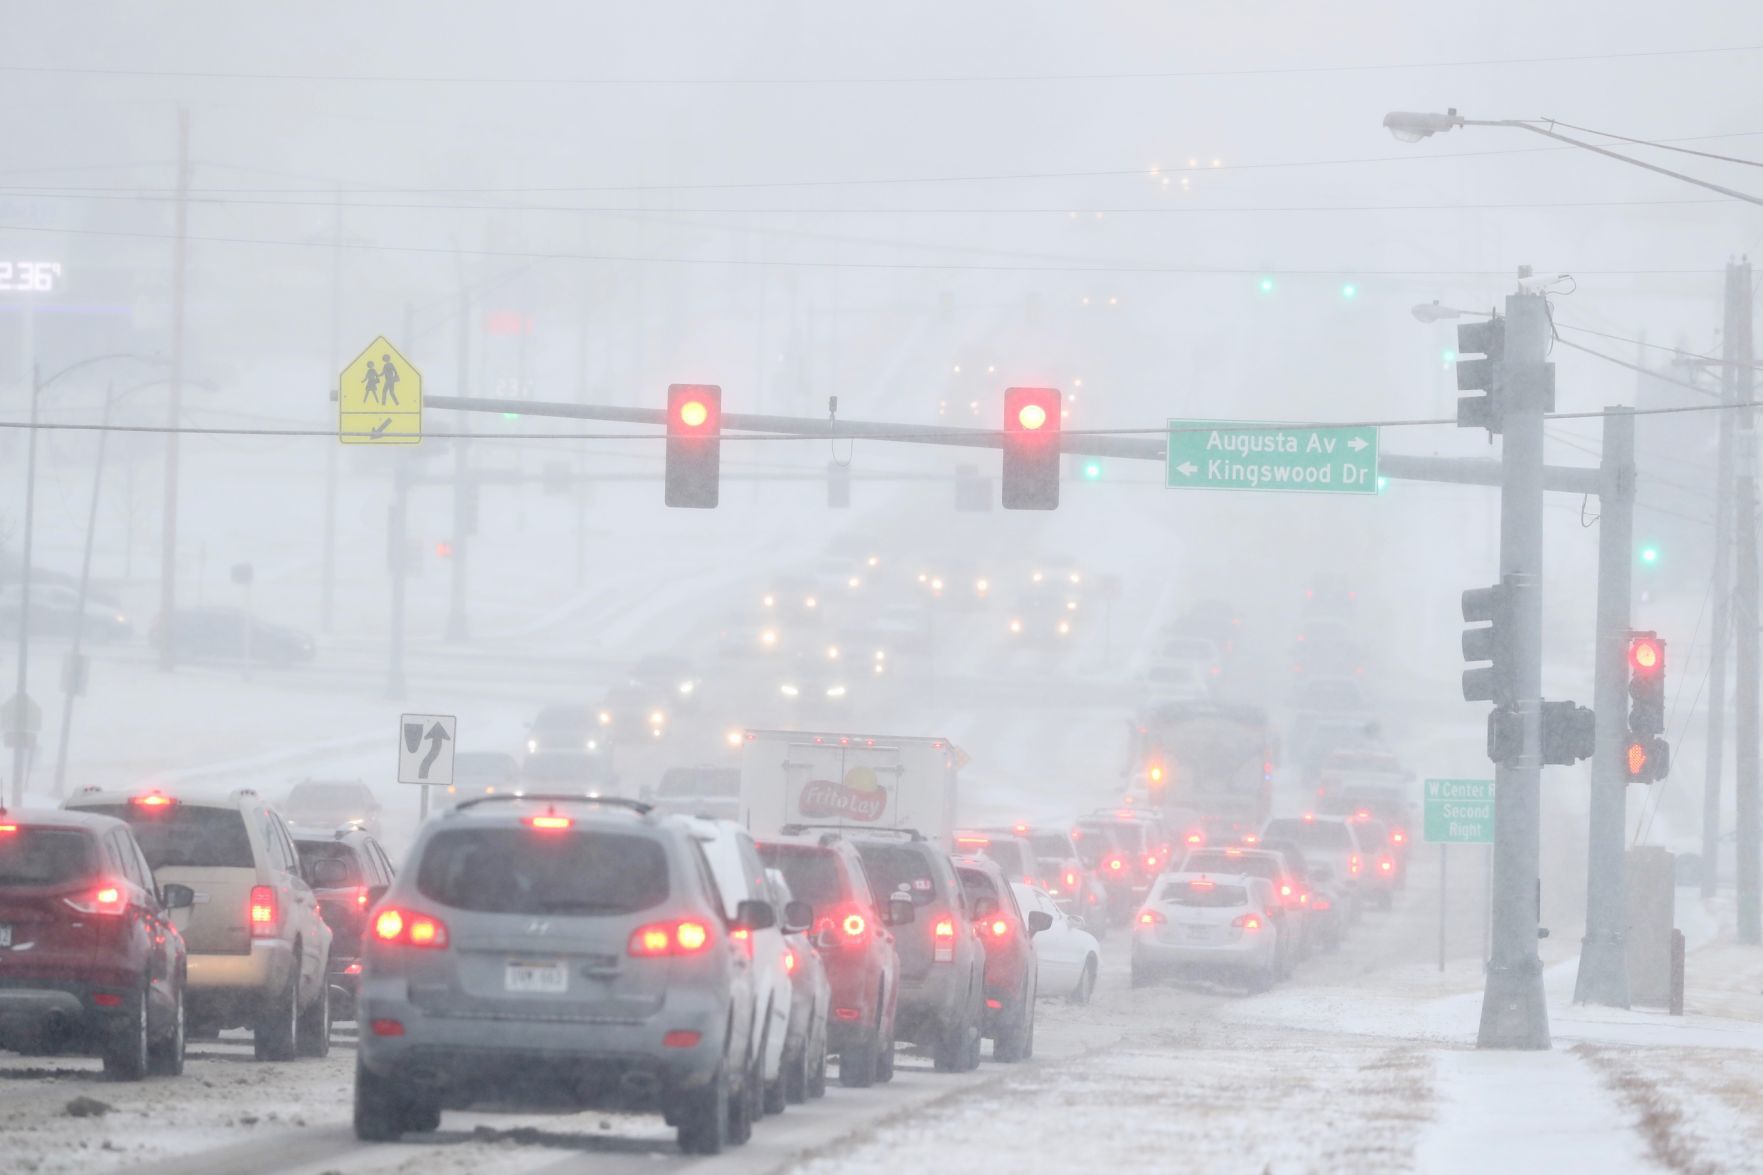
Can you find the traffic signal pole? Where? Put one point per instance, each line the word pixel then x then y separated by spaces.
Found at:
pixel 1513 1012
pixel 1603 969
pixel 1739 359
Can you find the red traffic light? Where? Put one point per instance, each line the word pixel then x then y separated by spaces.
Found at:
pixel 1646 655
pixel 1031 416
pixel 692 408
pixel 694 445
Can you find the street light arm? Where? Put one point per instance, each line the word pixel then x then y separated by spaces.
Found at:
pixel 87 362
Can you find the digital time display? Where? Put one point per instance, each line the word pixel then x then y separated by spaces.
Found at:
pixel 31 277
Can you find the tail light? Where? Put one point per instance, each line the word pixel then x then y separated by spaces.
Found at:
pixel 1353 864
pixel 1321 903
pixel 1398 836
pixel 1248 922
pixel 1151 918
pixel 1151 862
pixel 1116 864
pixel 791 962
pixel 353 968
pixel 1385 865
pixel 398 928
pixel 660 939
pixel 107 898
pixel 999 928
pixel 152 801
pixel 8 828
pixel 1070 879
pixel 549 822
pixel 853 925
pixel 361 897
pixel 943 941
pixel 263 912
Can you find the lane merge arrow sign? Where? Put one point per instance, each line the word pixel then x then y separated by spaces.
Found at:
pixel 1248 455
pixel 425 749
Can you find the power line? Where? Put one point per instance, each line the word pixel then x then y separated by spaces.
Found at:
pixel 1661 144
pixel 852 79
pixel 785 263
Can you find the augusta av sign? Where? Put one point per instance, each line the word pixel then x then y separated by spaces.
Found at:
pixel 1237 455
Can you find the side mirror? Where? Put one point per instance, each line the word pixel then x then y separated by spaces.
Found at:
pixel 756 915
pixel 1075 921
pixel 374 894
pixel 176 897
pixel 1039 920
pixel 798 916
pixel 984 908
pixel 901 911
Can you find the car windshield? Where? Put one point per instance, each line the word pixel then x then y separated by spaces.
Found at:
pixel 340 868
pixel 187 835
pixel 1204 895
pixel 45 856
pixel 1312 834
pixel 893 869
pixel 812 872
pixel 521 871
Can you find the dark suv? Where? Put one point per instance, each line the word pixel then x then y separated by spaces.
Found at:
pixel 855 936
pixel 348 870
pixel 942 964
pixel 1009 1013
pixel 89 959
pixel 559 951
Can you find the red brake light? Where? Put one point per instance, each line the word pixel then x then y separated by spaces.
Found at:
pixel 361 897
pixel 1070 879
pixel 5 828
pixel 153 799
pixel 108 898
pixel 1201 884
pixel 790 961
pixel 1151 862
pixel 550 822
pixel 1398 836
pixel 1248 922
pixel 1322 904
pixel 1285 889
pixel 1151 918
pixel 1000 928
pixel 353 968
pixel 855 924
pixel 1196 838
pixel 263 912
pixel 669 938
pixel 943 941
pixel 398 928
pixel 1353 863
pixel 1116 864
pixel 387 1028
pixel 1386 865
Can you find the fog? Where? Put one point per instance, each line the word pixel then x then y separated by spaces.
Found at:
pixel 889 215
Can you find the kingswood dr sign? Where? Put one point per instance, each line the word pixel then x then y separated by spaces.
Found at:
pixel 1240 455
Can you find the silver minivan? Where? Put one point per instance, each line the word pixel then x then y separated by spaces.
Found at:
pixel 560 951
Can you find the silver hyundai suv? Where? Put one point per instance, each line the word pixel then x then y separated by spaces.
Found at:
pixel 558 951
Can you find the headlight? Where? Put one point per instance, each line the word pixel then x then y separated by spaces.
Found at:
pixel 1064 628
pixel 532 746
pixel 1015 626
pixel 733 737
pixel 686 687
pixel 656 718
pixel 605 718
pixel 875 560
pixel 982 586
pixel 936 585
pixel 593 744
pixel 1071 605
pixel 853 583
pixel 810 602
pixel 835 691
pixel 769 601
pixel 768 637
pixel 881 654
pixel 788 690
pixel 1036 577
pixel 832 652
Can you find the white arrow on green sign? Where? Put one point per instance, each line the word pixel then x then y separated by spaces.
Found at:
pixel 1459 811
pixel 1246 455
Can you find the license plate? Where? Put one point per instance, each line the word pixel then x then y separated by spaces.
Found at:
pixel 537 978
pixel 1199 931
pixel 5 936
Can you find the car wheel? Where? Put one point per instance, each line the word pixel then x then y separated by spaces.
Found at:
pixel 775 1096
pixel 744 1108
pixel 1142 975
pixel 125 1050
pixel 274 1035
pixel 379 1111
pixel 795 1076
pixel 951 1046
pixel 884 1063
pixel 1028 1048
pixel 817 1078
pixel 1011 1044
pixel 1261 981
pixel 312 1036
pixel 165 1058
pixel 1086 983
pixel 704 1118
pixel 422 1115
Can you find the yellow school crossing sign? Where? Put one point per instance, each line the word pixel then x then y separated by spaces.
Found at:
pixel 379 398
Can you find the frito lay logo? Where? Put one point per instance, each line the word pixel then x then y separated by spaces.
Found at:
pixel 860 797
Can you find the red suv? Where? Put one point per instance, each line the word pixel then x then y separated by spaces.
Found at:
pixel 1010 987
pixel 852 932
pixel 89 959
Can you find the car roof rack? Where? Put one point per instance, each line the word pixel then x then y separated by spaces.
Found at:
pixel 637 806
pixel 848 830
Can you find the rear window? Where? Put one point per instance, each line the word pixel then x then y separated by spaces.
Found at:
pixel 341 868
pixel 1010 857
pixel 812 873
pixel 1220 863
pixel 1093 844
pixel 1205 895
pixel 690 783
pixel 46 856
pixel 516 871
pixel 1312 834
pixel 1129 837
pixel 977 885
pixel 187 836
pixel 895 869
pixel 1050 844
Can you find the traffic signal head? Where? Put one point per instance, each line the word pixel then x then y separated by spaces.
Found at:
pixel 1487 339
pixel 1032 418
pixel 1646 758
pixel 1487 608
pixel 1569 733
pixel 1646 684
pixel 694 445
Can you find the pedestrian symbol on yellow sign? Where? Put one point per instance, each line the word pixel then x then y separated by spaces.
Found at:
pixel 379 398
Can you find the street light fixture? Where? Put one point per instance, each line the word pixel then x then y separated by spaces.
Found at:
pixel 1411 127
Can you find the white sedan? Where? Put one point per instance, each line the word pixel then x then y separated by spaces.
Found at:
pixel 1067 957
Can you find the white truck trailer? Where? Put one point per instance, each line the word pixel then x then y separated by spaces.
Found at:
pixel 854 781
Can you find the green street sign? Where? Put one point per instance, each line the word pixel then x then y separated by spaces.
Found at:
pixel 1459 811
pixel 1246 455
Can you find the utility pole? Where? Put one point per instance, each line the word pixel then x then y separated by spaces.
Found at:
pixel 22 741
pixel 1603 967
pixel 1721 634
pixel 168 552
pixel 71 686
pixel 1514 1014
pixel 458 624
pixel 1739 356
pixel 333 366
